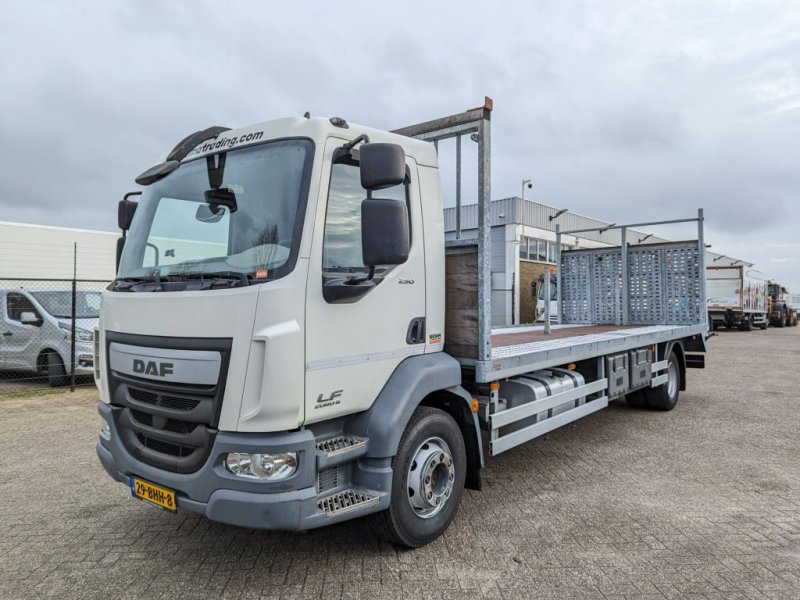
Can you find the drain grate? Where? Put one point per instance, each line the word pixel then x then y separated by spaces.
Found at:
pixel 341 444
pixel 345 501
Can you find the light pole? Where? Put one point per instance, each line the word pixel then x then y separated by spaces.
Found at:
pixel 525 182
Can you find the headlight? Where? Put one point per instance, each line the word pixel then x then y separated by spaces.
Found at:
pixel 265 467
pixel 84 335
pixel 81 335
pixel 105 433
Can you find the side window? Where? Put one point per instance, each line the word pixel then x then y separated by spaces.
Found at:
pixel 16 304
pixel 341 248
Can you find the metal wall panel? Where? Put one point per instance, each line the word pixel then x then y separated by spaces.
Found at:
pixel 664 285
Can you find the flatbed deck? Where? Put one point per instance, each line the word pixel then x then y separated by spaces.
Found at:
pixel 523 349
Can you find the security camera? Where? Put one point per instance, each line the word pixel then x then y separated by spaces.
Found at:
pixel 530 185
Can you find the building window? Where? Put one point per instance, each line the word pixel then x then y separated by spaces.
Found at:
pixel 537 250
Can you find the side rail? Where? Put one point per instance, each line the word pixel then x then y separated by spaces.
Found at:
pixel 514 426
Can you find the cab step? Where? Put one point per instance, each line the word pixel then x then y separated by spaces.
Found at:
pixel 340 449
pixel 347 501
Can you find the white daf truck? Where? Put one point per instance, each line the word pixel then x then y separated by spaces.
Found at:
pixel 290 343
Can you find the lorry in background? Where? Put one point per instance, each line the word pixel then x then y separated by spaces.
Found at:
pixel 781 312
pixel 737 297
pixel 793 300
pixel 320 353
pixel 540 290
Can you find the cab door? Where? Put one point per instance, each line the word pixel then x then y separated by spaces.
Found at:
pixel 353 345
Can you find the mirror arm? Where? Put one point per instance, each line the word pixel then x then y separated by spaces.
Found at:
pixel 357 280
pixel 346 148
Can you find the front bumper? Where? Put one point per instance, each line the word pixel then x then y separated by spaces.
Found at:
pixel 212 490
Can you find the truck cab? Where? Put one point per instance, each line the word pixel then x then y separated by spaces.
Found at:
pixel 246 324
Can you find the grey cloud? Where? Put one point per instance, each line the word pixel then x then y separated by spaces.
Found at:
pixel 625 111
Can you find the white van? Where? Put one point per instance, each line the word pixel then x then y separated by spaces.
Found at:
pixel 36 332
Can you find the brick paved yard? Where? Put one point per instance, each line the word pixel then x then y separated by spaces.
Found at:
pixel 702 502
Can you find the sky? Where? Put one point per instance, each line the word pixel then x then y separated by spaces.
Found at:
pixel 626 111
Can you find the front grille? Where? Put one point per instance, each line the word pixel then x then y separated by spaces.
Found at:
pixel 164 447
pixel 327 480
pixel 166 401
pixel 167 424
pixel 162 423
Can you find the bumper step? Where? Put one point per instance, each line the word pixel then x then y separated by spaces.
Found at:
pixel 340 449
pixel 347 501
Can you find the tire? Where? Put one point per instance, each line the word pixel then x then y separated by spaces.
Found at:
pixel 665 396
pixel 56 373
pixel 782 321
pixel 432 438
pixel 747 325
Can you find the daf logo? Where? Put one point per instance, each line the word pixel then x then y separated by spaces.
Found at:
pixel 151 367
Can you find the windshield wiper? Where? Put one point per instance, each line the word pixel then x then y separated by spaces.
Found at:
pixel 215 279
pixel 124 284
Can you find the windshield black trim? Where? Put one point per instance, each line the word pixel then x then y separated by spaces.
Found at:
pixel 302 204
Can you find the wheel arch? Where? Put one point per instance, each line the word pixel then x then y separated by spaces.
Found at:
pixel 41 358
pixel 432 380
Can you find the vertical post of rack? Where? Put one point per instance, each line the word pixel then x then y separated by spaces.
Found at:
pixel 624 283
pixel 484 239
pixel 559 308
pixel 701 257
pixel 458 187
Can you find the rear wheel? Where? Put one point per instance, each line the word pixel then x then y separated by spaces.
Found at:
pixel 665 396
pixel 56 373
pixel 747 324
pixel 429 472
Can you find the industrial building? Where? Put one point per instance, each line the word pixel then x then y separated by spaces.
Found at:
pixel 524 247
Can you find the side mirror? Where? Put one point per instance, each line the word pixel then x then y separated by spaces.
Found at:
pixel 125 211
pixel 28 318
pixel 382 165
pixel 384 232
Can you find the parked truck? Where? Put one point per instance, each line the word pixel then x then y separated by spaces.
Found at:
pixel 781 312
pixel 320 354
pixel 737 297
pixel 793 300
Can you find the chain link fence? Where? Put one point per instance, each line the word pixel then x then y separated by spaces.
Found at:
pixel 47 333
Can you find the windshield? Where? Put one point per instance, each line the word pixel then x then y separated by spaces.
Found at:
pixel 553 290
pixel 234 215
pixel 59 304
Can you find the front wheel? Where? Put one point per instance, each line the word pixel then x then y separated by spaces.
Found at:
pixel 56 373
pixel 429 472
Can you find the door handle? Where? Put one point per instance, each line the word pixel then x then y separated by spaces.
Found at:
pixel 7 334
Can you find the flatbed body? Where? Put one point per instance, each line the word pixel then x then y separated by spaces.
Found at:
pixel 520 350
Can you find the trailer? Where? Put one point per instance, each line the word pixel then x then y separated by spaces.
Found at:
pixel 337 360
pixel 737 297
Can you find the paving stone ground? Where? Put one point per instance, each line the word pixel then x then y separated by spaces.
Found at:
pixel 700 502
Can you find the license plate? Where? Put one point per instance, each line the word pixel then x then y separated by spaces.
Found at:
pixel 155 494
